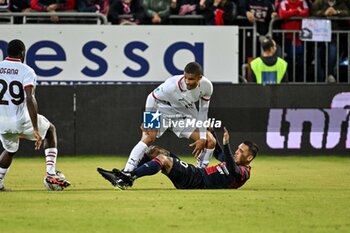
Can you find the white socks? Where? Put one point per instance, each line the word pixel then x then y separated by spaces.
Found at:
pixel 3 172
pixel 204 158
pixel 135 156
pixel 51 156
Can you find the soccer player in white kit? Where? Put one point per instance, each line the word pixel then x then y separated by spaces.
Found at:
pixel 175 100
pixel 19 116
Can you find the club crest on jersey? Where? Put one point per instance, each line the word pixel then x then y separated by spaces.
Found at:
pixel 151 120
pixel 222 169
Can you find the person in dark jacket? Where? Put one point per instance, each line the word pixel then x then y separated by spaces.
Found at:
pixel 100 6
pixel 259 12
pixel 52 6
pixel 126 12
pixel 220 12
pixel 330 8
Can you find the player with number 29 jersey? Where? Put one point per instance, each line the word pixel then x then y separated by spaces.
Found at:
pixel 14 77
pixel 19 117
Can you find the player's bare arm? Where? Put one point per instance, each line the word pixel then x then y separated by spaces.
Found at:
pixel 33 113
pixel 148 135
pixel 226 137
pixel 199 143
pixel 231 166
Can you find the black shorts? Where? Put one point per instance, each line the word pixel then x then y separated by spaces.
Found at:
pixel 185 176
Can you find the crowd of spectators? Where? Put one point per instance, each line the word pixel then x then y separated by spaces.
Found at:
pixel 215 12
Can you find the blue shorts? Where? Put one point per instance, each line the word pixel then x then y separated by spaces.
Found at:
pixel 186 176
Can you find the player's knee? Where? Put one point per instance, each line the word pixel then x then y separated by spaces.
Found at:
pixel 154 151
pixel 7 153
pixel 148 139
pixel 51 131
pixel 211 141
pixel 52 128
pixel 11 154
pixel 162 158
pixel 165 160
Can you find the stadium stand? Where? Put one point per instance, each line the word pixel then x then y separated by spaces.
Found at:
pixel 311 53
pixel 248 38
pixel 43 17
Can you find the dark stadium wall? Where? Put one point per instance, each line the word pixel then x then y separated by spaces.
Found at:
pixel 105 119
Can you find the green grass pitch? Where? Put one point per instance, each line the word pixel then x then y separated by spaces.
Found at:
pixel 285 194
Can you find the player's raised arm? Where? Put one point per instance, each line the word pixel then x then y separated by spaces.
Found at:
pixel 230 163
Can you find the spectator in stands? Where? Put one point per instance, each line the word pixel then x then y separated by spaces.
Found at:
pixel 52 6
pixel 99 6
pixel 126 12
pixel 19 6
pixel 241 9
pixel 293 44
pixel 269 68
pixel 329 8
pixel 187 7
pixel 260 12
pixel 156 11
pixel 308 2
pixel 219 12
pixel 4 5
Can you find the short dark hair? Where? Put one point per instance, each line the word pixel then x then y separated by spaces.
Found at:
pixel 194 68
pixel 252 147
pixel 267 43
pixel 15 48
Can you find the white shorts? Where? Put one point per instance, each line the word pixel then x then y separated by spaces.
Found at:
pixel 176 126
pixel 176 116
pixel 10 141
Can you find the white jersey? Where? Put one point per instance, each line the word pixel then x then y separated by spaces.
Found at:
pixel 173 92
pixel 172 97
pixel 14 77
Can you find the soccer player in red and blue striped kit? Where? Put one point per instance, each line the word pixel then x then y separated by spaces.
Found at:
pixel 231 173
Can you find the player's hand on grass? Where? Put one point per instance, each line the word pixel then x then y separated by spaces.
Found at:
pixel 226 137
pixel 38 138
pixel 199 146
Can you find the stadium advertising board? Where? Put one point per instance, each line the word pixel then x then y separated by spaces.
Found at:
pixel 325 125
pixel 68 54
pixel 288 119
